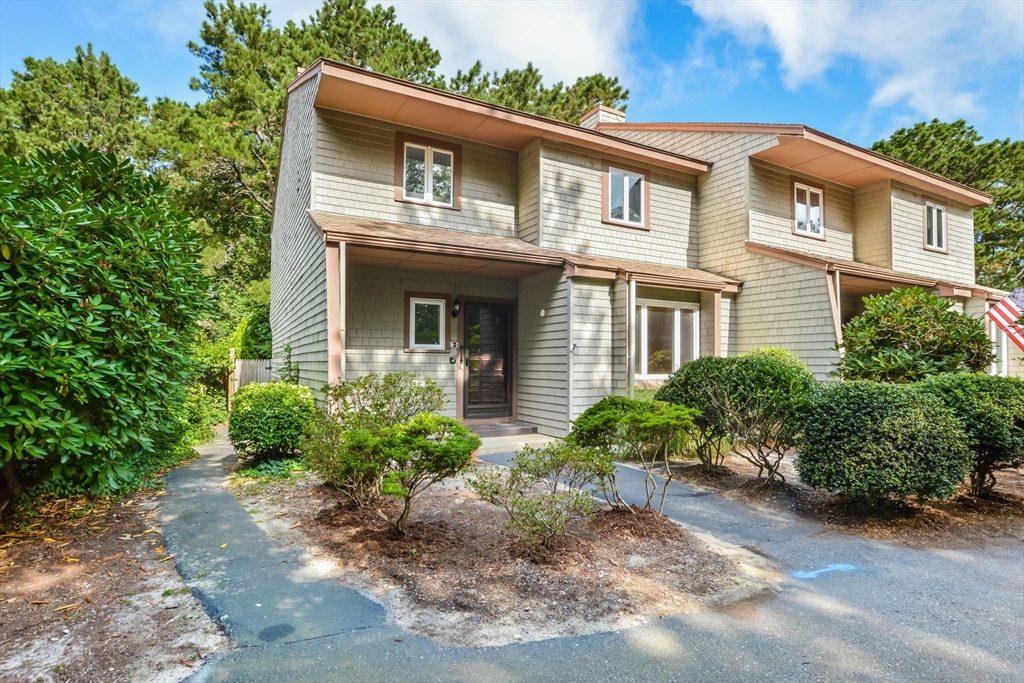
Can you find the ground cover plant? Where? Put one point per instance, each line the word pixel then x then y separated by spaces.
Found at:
pixel 874 441
pixel 100 290
pixel 909 335
pixel 268 420
pixel 991 412
pixel 546 489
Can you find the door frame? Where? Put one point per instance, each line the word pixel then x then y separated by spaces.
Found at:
pixel 462 368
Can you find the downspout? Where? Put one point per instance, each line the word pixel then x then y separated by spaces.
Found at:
pixel 630 327
pixel 570 347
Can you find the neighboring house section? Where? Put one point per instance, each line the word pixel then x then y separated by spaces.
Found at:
pixel 532 267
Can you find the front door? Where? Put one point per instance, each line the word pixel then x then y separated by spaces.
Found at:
pixel 488 344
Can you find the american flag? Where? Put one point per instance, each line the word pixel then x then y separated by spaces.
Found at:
pixel 1005 314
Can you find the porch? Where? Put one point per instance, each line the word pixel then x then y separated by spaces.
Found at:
pixel 519 338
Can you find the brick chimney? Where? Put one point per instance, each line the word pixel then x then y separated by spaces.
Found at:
pixel 602 114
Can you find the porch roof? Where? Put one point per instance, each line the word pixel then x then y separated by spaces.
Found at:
pixel 421 239
pixel 877 274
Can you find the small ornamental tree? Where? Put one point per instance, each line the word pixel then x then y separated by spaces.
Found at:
pixel 909 335
pixel 875 441
pixel 417 455
pixel 100 290
pixel 378 401
pixel 991 410
pixel 703 384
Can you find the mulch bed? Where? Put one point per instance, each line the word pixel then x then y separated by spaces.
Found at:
pixel 963 522
pixel 88 593
pixel 460 577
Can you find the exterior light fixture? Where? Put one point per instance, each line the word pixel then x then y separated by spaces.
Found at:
pixel 456 307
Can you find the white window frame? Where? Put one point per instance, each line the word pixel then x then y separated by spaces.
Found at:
pixel 625 196
pixel 943 227
pixel 442 344
pixel 641 322
pixel 428 174
pixel 821 205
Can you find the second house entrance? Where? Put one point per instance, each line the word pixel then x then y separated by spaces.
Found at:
pixel 487 339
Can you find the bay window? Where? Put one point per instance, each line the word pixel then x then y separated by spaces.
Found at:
pixel 667 335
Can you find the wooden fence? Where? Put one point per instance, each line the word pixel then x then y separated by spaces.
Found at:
pixel 248 372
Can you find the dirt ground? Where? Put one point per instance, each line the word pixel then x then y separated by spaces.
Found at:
pixel 92 595
pixel 458 577
pixel 963 522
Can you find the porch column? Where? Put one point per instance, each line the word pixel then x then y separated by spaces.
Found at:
pixel 717 323
pixel 630 333
pixel 335 312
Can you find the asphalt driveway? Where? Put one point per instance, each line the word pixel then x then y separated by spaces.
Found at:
pixel 851 609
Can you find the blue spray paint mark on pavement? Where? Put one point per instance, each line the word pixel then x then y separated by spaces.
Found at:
pixel 830 568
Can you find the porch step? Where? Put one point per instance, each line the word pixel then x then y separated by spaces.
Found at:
pixel 490 429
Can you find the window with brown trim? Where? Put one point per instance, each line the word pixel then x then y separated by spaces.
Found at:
pixel 428 171
pixel 625 196
pixel 426 322
pixel 808 211
pixel 935 227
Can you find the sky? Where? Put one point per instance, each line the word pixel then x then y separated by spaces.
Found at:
pixel 855 69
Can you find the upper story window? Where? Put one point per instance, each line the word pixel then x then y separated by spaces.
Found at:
pixel 808 212
pixel 934 227
pixel 427 171
pixel 626 196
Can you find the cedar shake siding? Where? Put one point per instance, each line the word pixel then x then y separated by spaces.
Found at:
pixel 298 274
pixel 571 187
pixel 529 193
pixel 544 352
pixel 908 252
pixel 872 241
pixel 355 175
pixel 595 358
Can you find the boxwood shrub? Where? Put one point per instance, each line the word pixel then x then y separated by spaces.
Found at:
pixel 991 411
pixel 875 441
pixel 267 420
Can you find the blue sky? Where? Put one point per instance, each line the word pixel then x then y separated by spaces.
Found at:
pixel 855 69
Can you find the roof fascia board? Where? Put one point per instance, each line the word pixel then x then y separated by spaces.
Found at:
pixel 546 128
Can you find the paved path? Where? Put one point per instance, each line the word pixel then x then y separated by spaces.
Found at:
pixel 850 610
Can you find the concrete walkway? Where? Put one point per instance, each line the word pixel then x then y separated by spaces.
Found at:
pixel 850 610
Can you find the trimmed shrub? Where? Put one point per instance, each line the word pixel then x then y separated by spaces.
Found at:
pixel 879 440
pixel 267 420
pixel 377 401
pixel 767 395
pixel 100 290
pixel 543 489
pixel 417 455
pixel 909 335
pixel 991 411
pixel 702 384
pixel 348 459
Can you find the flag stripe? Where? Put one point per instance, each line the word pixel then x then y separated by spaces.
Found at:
pixel 1005 315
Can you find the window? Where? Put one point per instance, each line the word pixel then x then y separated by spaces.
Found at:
pixel 428 174
pixel 667 335
pixel 426 326
pixel 626 195
pixel 808 218
pixel 427 171
pixel 934 227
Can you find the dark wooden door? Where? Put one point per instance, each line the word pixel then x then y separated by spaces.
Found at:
pixel 488 340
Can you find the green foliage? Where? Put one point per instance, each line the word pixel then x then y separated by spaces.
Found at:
pixel 256 343
pixel 267 420
pixel 289 370
pixel 543 489
pixel 956 151
pixel 380 400
pixel 766 396
pixel 634 429
pixel 85 102
pixel 874 440
pixel 99 292
pixel 911 334
pixel 991 411
pixel 703 384
pixel 272 469
pixel 348 459
pixel 428 449
pixel 200 411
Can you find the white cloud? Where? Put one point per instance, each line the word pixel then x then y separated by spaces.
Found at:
pixel 933 57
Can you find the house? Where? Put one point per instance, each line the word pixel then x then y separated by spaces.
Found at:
pixel 532 267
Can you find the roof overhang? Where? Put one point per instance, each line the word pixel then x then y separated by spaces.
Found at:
pixel 352 90
pixel 406 245
pixel 868 272
pixel 814 153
